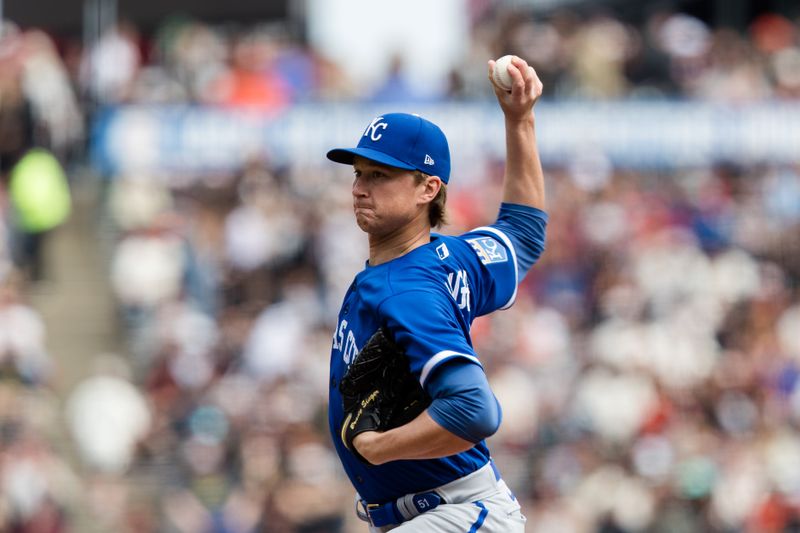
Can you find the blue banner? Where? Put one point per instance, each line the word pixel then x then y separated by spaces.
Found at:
pixel 199 140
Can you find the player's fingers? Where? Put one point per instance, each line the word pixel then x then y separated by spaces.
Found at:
pixel 527 80
pixel 534 82
pixel 523 67
pixel 532 86
pixel 534 78
pixel 516 73
pixel 528 74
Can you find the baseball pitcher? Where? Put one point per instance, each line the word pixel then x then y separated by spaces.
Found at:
pixel 410 405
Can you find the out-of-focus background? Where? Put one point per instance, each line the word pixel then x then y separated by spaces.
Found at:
pixel 175 247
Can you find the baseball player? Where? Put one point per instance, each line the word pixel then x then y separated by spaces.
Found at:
pixel 417 458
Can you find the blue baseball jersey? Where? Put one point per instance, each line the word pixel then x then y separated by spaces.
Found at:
pixel 427 299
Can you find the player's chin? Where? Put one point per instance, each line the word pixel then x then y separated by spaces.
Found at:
pixel 365 220
pixel 376 227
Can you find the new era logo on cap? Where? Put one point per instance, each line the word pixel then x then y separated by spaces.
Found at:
pixel 404 141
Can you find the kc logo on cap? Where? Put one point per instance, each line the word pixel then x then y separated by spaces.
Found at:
pixel 372 129
pixel 401 140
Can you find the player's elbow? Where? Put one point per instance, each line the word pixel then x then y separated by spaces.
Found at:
pixel 487 421
pixel 473 414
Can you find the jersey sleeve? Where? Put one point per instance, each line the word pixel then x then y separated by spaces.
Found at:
pixel 525 227
pixel 425 325
pixel 463 402
pixel 506 250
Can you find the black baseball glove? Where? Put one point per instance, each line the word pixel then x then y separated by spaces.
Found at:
pixel 379 392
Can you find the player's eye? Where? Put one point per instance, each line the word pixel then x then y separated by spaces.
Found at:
pixel 370 175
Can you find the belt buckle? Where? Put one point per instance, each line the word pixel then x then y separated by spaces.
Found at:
pixel 363 511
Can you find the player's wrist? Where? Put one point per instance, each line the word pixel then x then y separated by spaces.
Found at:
pixel 367 445
pixel 521 121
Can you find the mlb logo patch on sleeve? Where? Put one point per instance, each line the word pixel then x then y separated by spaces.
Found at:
pixel 489 250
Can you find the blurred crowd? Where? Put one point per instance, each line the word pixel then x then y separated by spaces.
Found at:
pixel 656 346
pixel 589 55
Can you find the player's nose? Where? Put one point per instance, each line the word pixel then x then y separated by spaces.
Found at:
pixel 359 188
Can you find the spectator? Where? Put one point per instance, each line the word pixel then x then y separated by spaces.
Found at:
pixel 109 68
pixel 108 417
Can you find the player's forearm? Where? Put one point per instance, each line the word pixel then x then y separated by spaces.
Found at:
pixel 422 438
pixel 524 177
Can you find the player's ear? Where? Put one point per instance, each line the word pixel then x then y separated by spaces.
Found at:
pixel 430 189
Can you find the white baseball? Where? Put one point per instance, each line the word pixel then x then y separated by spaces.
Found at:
pixel 500 73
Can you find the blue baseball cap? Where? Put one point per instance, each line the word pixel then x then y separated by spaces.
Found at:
pixel 404 141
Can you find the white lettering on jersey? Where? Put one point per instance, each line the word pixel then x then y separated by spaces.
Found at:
pixel 347 347
pixel 350 349
pixel 372 129
pixel 458 286
pixel 338 336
